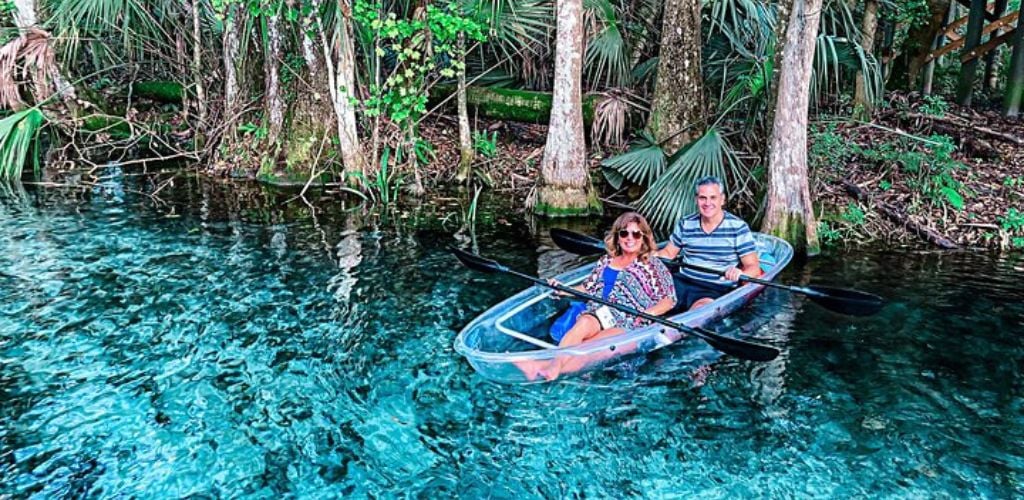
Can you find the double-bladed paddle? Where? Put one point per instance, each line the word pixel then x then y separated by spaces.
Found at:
pixel 735 347
pixel 841 300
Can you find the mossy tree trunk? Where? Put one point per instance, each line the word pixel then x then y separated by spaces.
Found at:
pixel 564 187
pixel 863 106
pixel 678 102
pixel 1015 81
pixel 789 213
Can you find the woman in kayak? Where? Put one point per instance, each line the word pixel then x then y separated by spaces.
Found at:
pixel 630 275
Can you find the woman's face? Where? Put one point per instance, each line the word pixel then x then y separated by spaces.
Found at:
pixel 632 240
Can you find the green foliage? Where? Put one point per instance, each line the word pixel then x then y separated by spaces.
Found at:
pixel 19 137
pixel 258 132
pixel 487 146
pixel 1013 221
pixel 670 193
pixel 424 150
pixel 934 105
pixel 853 214
pixel 828 235
pixel 7 7
pixel 385 186
pixel 413 49
pixel 829 149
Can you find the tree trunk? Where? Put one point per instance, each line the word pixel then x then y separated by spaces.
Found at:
pixel 789 213
pixel 466 152
pixel 231 45
pixel 343 90
pixel 863 105
pixel 919 42
pixel 564 187
pixel 929 69
pixel 679 91
pixel 969 69
pixel 1015 81
pixel 273 101
pixel 197 63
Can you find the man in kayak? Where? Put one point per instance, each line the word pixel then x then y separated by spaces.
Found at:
pixel 711 238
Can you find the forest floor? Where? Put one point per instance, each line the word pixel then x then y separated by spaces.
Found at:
pixel 923 173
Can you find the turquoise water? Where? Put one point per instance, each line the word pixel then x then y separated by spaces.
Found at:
pixel 232 345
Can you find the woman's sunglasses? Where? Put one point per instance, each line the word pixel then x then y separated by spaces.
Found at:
pixel 636 234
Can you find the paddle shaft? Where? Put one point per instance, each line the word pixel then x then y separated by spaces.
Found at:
pixel 709 336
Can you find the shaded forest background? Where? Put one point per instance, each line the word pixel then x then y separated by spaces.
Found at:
pixel 833 121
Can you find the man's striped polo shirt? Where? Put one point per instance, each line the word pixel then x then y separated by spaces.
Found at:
pixel 719 249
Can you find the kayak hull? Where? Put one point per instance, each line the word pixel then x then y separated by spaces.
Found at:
pixel 489 344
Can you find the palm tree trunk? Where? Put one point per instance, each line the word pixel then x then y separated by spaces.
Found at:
pixel 564 187
pixel 1015 82
pixel 862 105
pixel 789 213
pixel 679 91
pixel 969 69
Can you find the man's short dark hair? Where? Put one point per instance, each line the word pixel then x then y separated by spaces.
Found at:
pixel 707 181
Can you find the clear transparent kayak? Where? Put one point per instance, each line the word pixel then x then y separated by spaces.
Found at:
pixel 489 342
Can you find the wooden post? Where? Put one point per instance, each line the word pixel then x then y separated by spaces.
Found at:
pixel 1015 83
pixel 992 58
pixel 969 70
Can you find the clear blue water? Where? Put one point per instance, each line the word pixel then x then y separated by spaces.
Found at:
pixel 231 345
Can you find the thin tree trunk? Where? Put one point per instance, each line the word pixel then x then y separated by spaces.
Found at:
pixel 197 64
pixel 343 90
pixel 564 187
pixel 969 69
pixel 1015 82
pixel 789 213
pixel 465 132
pixel 929 69
pixel 231 50
pixel 273 97
pixel 919 42
pixel 863 105
pixel 679 91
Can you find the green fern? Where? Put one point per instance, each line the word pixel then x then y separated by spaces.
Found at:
pixel 19 135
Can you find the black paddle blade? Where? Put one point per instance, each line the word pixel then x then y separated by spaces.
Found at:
pixel 579 244
pixel 845 301
pixel 476 262
pixel 739 348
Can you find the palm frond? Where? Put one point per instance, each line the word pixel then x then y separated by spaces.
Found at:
pixel 642 164
pixel 671 195
pixel 19 134
pixel 607 58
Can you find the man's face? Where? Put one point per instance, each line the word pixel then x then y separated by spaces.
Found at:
pixel 710 201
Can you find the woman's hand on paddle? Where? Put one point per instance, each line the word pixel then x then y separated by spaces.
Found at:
pixel 559 293
pixel 733 273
